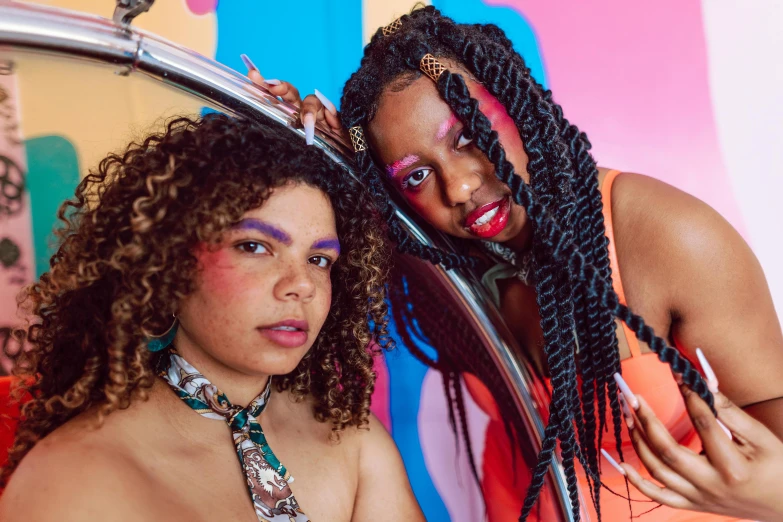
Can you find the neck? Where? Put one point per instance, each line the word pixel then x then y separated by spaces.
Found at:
pixel 240 388
pixel 523 241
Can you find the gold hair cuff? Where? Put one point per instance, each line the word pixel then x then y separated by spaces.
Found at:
pixel 430 66
pixel 357 138
pixel 392 28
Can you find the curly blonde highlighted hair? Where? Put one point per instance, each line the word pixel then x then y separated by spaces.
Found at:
pixel 125 262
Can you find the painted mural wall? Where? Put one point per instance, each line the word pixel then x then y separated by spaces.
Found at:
pixel 685 91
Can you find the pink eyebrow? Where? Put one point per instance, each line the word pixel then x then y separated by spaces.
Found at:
pixel 446 126
pixel 394 169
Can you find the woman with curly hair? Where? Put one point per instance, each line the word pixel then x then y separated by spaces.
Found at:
pixel 216 272
pixel 448 116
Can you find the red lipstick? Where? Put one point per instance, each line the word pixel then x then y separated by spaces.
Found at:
pixel 490 219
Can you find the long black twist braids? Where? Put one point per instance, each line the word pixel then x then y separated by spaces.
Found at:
pixel 576 301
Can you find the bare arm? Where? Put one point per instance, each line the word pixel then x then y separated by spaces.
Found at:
pixel 692 273
pixel 384 492
pixel 685 257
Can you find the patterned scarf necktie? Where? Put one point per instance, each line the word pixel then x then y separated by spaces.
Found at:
pixel 267 478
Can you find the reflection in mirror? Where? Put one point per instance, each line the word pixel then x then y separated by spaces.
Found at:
pixel 60 117
pixel 467 387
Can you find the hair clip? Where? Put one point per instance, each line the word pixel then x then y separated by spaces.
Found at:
pixel 357 138
pixel 430 66
pixel 392 28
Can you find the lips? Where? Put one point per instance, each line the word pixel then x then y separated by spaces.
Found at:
pixel 290 333
pixel 490 219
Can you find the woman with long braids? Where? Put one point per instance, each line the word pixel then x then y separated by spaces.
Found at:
pixel 264 372
pixel 449 116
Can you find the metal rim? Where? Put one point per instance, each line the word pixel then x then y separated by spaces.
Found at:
pixel 63 32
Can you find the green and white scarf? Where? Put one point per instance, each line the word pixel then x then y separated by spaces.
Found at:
pixel 267 478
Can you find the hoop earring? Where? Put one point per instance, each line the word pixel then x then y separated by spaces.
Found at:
pixel 156 343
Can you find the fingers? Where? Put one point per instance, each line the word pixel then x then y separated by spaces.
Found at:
pixel 679 458
pixel 724 455
pixel 328 105
pixel 248 62
pixel 330 112
pixel 660 453
pixel 655 492
pixel 736 422
pixel 317 108
pixel 284 90
pixel 323 109
pixel 660 471
pixel 311 111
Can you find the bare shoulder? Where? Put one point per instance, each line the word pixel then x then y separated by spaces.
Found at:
pixel 664 235
pixel 374 439
pixel 680 257
pixel 73 475
pixel 383 480
pixel 642 204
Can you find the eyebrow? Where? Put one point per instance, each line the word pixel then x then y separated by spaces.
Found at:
pixel 446 126
pixel 328 242
pixel 395 168
pixel 264 228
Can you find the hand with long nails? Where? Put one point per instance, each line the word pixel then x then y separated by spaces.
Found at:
pixel 739 473
pixel 284 90
pixel 313 110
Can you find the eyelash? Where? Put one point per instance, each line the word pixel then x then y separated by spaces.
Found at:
pixel 459 137
pixel 239 246
pixel 329 262
pixel 407 178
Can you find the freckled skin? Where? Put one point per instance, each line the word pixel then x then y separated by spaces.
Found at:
pixel 237 292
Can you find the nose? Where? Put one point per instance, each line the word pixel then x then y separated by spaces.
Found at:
pixel 295 284
pixel 459 184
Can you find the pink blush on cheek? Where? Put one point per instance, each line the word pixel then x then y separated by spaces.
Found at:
pixel 217 273
pixel 499 118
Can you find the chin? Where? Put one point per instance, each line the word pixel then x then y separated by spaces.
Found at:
pixel 273 364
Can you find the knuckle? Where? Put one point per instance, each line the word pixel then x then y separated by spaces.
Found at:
pixel 736 476
pixel 702 422
pixel 657 473
pixel 722 402
pixel 668 455
pixel 645 420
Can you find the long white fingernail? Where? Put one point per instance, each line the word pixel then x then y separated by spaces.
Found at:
pixel 329 106
pixel 709 375
pixel 725 429
pixel 272 82
pixel 248 62
pixel 309 128
pixel 613 462
pixel 633 402
pixel 626 411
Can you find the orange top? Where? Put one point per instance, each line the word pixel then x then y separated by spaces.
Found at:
pixel 649 377
pixel 617 283
pixel 646 376
pixel 644 373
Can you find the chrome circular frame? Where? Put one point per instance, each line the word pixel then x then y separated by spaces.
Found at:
pixel 30 27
